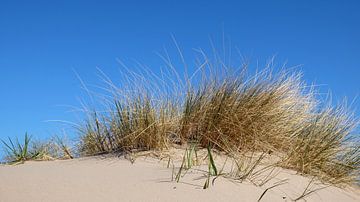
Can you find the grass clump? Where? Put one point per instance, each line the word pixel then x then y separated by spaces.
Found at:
pixel 17 152
pixel 258 114
pixel 236 112
pixel 133 125
pixel 324 147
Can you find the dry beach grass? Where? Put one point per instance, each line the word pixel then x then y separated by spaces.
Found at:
pixel 271 113
pixel 262 123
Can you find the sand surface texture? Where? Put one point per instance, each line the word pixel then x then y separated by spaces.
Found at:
pixel 116 179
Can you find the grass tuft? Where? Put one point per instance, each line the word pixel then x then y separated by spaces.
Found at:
pixel 17 152
pixel 268 113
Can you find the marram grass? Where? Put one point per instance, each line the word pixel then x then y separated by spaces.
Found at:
pixel 271 113
pixel 222 108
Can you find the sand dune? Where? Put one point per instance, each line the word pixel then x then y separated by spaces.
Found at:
pixel 115 179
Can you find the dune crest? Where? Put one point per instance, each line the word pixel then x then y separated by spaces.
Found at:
pixel 147 179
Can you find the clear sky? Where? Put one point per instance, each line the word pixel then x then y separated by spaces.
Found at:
pixel 42 44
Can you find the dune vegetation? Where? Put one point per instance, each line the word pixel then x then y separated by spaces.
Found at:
pixel 29 149
pixel 218 108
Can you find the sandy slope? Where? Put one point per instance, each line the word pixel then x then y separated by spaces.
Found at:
pixel 114 179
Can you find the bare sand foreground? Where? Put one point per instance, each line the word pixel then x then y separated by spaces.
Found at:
pixel 115 179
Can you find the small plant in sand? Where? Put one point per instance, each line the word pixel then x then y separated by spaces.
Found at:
pixel 63 147
pixel 212 168
pixel 309 189
pixel 189 159
pixel 17 152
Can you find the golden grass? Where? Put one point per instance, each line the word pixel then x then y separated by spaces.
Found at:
pixel 223 108
pixel 273 113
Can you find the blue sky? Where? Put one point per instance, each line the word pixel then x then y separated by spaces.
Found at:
pixel 42 44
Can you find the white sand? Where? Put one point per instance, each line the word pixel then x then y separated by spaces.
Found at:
pixel 114 179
